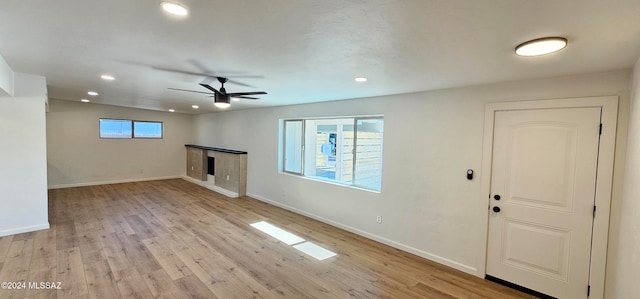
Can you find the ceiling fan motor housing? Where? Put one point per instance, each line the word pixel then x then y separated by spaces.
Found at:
pixel 222 98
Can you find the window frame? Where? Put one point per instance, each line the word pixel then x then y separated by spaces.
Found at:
pixel 355 151
pixel 118 119
pixel 133 129
pixel 284 146
pixel 352 183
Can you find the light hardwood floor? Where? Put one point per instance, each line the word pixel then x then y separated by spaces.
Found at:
pixel 174 239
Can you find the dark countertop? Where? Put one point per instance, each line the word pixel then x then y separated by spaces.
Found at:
pixel 216 149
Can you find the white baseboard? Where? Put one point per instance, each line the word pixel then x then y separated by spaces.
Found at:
pixel 212 187
pixel 26 229
pixel 84 184
pixel 424 254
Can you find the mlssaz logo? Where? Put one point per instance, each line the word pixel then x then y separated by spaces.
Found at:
pixel 45 285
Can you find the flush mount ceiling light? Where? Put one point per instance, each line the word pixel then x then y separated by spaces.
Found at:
pixel 174 8
pixel 541 46
pixel 360 79
pixel 92 93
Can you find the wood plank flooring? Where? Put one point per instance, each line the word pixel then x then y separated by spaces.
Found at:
pixel 174 239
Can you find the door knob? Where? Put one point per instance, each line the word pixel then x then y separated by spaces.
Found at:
pixel 496 209
pixel 496 197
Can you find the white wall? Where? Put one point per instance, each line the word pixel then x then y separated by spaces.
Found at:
pixel 626 264
pixel 77 156
pixel 23 165
pixel 431 138
pixel 6 79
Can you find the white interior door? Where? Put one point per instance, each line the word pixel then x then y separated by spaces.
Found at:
pixel 544 174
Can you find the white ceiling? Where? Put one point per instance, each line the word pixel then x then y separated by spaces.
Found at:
pixel 302 51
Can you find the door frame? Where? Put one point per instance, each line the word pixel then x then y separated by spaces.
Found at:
pixel 604 183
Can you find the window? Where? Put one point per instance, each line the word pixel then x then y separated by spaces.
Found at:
pixel 115 128
pixel 127 129
pixel 147 129
pixel 293 146
pixel 342 150
pixel 367 168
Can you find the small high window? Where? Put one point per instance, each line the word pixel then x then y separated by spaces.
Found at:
pixel 147 129
pixel 115 128
pixel 127 129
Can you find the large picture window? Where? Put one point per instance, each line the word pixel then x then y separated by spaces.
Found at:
pixel 127 129
pixel 345 150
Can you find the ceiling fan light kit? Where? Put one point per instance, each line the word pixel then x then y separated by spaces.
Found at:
pixel 222 98
pixel 541 46
pixel 222 101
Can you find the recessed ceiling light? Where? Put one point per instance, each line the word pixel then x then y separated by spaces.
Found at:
pixel 174 8
pixel 541 46
pixel 360 79
pixel 195 106
pixel 172 110
pixel 92 93
pixel 108 77
pixel 235 99
pixel 85 101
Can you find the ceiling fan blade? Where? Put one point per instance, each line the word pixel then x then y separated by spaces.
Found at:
pixel 209 80
pixel 178 89
pixel 205 69
pixel 182 72
pixel 199 65
pixel 238 83
pixel 207 74
pixel 207 86
pixel 235 94
pixel 243 97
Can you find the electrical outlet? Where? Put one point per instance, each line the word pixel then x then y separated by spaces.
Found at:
pixel 227 178
pixel 379 219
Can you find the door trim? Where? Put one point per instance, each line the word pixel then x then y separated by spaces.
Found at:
pixel 604 183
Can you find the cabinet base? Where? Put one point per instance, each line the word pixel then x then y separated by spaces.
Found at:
pixel 212 187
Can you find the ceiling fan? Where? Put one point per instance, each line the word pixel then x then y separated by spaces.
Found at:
pixel 222 98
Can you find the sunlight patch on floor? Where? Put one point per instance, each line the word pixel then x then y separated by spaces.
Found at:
pixel 298 243
pixel 315 251
pixel 278 233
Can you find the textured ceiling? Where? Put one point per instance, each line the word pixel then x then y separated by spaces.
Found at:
pixel 304 51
